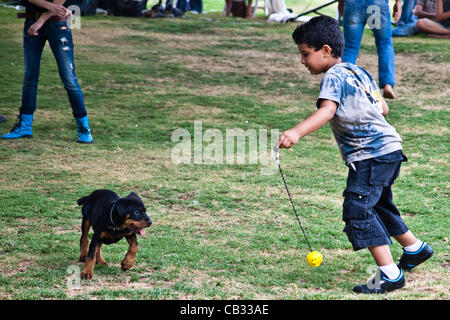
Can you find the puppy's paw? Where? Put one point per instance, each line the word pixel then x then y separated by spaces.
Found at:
pixel 86 274
pixel 82 258
pixel 102 262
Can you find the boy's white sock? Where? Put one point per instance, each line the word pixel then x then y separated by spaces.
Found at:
pixel 391 271
pixel 414 247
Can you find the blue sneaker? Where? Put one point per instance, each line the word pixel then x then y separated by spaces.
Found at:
pixel 410 260
pixel 22 128
pixel 381 284
pixel 84 132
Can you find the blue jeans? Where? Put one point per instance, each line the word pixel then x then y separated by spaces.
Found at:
pixel 196 5
pixel 356 15
pixel 407 13
pixel 406 25
pixel 405 30
pixel 369 212
pixel 59 37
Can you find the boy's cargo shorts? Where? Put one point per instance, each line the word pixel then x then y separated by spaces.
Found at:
pixel 370 215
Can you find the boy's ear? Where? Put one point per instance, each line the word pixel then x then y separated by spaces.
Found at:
pixel 326 50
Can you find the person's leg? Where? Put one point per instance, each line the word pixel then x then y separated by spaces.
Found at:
pixel 371 229
pixel 406 239
pixel 405 30
pixel 249 12
pixel 363 226
pixel 385 50
pixel 353 22
pixel 382 255
pixel 415 251
pixel 197 5
pixel 430 27
pixel 60 40
pixel 32 52
pixel 389 214
pixel 227 9
pixel 389 276
pixel 383 258
pixel 181 4
pixel 407 12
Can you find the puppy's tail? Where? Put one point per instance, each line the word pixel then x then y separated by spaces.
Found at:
pixel 82 201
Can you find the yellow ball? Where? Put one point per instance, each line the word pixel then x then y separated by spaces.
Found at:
pixel 314 259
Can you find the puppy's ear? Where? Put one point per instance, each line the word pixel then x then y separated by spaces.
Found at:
pixel 133 196
pixel 82 201
pixel 122 206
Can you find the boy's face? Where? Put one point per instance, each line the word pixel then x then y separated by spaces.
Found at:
pixel 314 61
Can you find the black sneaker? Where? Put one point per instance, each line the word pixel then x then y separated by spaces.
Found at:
pixel 410 260
pixel 2 118
pixel 381 284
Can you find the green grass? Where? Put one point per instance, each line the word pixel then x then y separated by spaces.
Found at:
pixel 220 231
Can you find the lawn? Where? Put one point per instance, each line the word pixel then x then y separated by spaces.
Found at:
pixel 223 230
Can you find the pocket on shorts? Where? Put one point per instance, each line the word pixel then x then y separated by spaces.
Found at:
pixel 360 233
pixel 355 203
pixel 383 173
pixel 358 230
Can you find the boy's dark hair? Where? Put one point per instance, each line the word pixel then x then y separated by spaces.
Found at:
pixel 320 31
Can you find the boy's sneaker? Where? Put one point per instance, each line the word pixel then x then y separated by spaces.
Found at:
pixel 410 260
pixel 381 284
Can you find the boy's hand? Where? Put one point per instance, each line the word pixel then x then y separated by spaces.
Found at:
pixel 33 29
pixel 314 122
pixel 288 138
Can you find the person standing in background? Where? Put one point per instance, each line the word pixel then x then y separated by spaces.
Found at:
pixel 46 20
pixel 356 13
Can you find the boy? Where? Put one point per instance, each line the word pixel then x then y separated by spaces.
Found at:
pixel 47 20
pixel 350 101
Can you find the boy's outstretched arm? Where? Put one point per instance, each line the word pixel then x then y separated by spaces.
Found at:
pixel 314 122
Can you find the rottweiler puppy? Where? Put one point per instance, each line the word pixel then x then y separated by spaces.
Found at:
pixel 111 218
